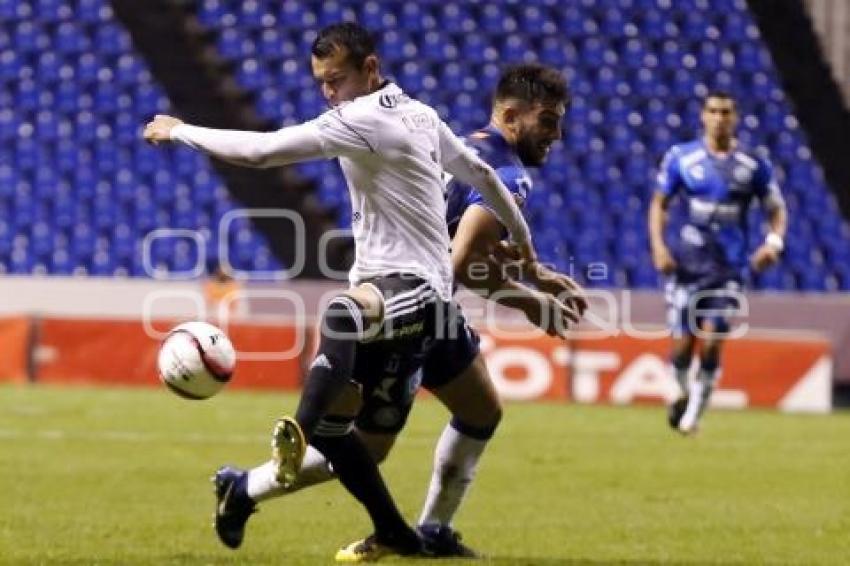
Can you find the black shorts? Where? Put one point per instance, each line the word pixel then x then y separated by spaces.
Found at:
pixel 423 340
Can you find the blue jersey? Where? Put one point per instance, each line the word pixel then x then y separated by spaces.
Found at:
pixel 492 148
pixel 718 191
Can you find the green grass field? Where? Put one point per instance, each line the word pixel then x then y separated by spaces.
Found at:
pixel 95 476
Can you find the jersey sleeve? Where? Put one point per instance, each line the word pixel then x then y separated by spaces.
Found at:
pixel 345 131
pixel 764 184
pixel 669 176
pixel 451 146
pixel 515 179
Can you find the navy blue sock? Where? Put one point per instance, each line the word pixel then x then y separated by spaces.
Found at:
pixel 359 473
pixel 342 326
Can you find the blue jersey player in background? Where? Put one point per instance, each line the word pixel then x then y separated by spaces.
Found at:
pixel 707 261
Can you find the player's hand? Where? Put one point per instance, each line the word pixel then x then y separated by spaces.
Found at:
pixel 159 129
pixel 526 253
pixel 512 252
pixel 562 286
pixel 663 260
pixel 765 256
pixel 551 315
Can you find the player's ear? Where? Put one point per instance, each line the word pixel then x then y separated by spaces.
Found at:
pixel 370 64
pixel 509 114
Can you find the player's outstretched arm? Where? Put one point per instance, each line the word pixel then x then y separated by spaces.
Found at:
pixel 248 149
pixel 479 270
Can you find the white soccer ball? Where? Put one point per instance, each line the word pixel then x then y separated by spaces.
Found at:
pixel 196 360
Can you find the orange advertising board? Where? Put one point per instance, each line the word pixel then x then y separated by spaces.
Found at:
pixel 124 352
pixel 14 348
pixel 793 375
pixel 757 372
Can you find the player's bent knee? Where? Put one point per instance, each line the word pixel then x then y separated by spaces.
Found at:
pixel 477 431
pixel 378 445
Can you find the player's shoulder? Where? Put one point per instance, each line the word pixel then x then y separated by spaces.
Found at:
pixel 687 148
pixel 753 158
pixel 684 154
pixel 491 147
pixel 384 104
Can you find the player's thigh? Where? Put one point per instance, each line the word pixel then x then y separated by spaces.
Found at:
pixel 683 345
pixel 370 299
pixel 714 334
pixel 471 396
pixel 349 402
pixel 377 443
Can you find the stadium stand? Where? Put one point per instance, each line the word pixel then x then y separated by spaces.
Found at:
pixel 637 68
pixel 78 191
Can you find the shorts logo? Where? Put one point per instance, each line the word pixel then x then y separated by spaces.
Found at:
pixel 321 362
pixel 383 390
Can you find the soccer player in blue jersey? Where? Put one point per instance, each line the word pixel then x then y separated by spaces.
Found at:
pixel 529 105
pixel 707 262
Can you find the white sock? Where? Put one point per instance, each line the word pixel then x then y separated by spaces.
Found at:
pixel 698 398
pixel 455 461
pixel 262 484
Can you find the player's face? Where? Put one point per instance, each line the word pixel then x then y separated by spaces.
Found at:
pixel 538 127
pixel 719 118
pixel 339 80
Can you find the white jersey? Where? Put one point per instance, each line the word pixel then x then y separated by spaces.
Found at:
pixel 391 148
pixel 393 151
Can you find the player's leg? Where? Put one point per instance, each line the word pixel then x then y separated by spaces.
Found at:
pixel 353 315
pixel 344 323
pixel 456 374
pixel 476 412
pixel 679 321
pixel 262 482
pixel 239 491
pixel 681 355
pixel 709 370
pixel 412 314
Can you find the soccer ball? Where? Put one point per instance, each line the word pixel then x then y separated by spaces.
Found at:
pixel 196 360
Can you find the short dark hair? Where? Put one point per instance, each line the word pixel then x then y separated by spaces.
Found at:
pixel 532 82
pixel 356 39
pixel 722 95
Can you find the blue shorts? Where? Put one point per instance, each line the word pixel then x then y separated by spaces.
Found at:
pixel 691 305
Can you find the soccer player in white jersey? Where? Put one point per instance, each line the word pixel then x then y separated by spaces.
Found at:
pixel 393 151
pixel 529 104
pixel 706 263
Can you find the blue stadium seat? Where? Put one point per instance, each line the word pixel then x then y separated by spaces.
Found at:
pixel 72 159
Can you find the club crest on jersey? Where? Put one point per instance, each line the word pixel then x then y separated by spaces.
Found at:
pixel 742 174
pixel 391 100
pixel 697 172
